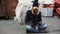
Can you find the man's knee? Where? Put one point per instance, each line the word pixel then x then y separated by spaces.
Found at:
pixel 28 27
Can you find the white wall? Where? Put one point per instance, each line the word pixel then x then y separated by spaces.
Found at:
pixel 24 1
pixel 22 7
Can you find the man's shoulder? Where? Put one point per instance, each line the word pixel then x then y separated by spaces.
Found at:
pixel 28 12
pixel 39 12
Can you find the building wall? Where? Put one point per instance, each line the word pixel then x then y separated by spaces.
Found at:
pixel 7 7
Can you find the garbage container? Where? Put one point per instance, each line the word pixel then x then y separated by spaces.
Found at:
pixel 47 11
pixel 47 8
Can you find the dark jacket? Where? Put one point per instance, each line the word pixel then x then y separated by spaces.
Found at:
pixel 31 18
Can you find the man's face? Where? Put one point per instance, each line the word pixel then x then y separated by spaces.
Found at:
pixel 35 10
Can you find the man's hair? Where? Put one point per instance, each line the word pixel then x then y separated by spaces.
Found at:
pixel 35 7
pixel 35 12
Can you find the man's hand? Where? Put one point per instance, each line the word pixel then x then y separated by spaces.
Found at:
pixel 36 27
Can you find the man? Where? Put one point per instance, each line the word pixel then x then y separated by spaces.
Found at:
pixel 33 18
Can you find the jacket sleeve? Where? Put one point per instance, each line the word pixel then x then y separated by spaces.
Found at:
pixel 27 18
pixel 40 18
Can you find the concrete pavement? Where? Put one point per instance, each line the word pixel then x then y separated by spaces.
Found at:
pixel 14 27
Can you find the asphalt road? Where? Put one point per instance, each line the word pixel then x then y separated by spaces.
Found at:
pixel 14 27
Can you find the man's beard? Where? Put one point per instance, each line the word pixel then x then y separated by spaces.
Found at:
pixel 35 12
